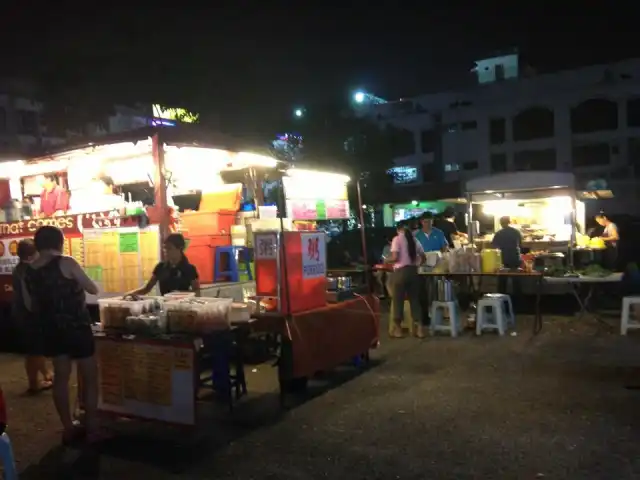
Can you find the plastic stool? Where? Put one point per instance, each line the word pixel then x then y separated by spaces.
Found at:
pixel 437 318
pixel 507 305
pixel 626 323
pixel 7 459
pixel 233 272
pixel 498 319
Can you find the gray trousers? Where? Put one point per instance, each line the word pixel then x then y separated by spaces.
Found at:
pixel 406 284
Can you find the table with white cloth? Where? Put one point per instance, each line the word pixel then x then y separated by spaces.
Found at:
pixel 583 288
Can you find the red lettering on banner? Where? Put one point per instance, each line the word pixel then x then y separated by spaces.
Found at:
pixel 313 249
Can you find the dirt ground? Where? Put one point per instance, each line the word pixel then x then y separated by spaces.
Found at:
pixel 550 406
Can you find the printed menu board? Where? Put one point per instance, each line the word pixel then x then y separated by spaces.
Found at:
pixel 121 259
pixel 153 380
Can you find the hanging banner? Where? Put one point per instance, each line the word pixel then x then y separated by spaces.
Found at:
pixel 314 255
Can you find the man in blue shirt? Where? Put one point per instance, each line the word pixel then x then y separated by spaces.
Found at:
pixel 432 240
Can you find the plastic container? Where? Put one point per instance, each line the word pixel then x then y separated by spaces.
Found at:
pixel 198 316
pixel 491 260
pixel 114 311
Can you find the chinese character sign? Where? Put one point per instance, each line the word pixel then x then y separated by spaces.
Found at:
pixel 314 255
pixel 266 245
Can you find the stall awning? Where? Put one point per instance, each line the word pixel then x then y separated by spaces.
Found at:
pixel 520 181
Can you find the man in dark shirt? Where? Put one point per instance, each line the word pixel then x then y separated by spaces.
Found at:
pixel 448 226
pixel 508 240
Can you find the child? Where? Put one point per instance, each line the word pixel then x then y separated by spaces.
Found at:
pixel 34 362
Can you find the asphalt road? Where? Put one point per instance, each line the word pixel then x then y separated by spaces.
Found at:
pixel 553 407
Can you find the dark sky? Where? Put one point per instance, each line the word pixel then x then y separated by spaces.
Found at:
pixel 252 61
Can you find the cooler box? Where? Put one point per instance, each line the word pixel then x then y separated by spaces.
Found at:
pixel 208 223
pixel 201 252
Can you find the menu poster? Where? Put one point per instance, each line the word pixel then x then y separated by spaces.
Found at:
pixel 121 259
pixel 147 380
pixel 318 209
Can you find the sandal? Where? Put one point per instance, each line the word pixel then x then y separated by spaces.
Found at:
pixel 45 385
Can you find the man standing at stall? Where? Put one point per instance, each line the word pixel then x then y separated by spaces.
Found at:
pixel 432 240
pixel 508 240
pixel 449 227
pixel 54 200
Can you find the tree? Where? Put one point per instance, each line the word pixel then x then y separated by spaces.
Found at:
pixel 331 136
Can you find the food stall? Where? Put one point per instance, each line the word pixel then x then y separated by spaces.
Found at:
pixel 542 205
pixel 321 325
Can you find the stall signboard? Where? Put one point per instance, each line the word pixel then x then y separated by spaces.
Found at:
pixel 314 255
pixel 318 209
pixel 69 224
pixel 147 379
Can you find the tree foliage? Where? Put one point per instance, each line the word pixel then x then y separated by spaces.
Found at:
pixel 331 137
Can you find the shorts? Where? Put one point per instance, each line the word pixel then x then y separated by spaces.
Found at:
pixel 76 343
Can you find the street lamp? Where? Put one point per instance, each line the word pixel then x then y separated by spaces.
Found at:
pixel 359 97
pixel 298 112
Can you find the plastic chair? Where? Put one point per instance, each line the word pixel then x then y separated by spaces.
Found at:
pixel 626 323
pixel 7 459
pixel 454 326
pixel 233 272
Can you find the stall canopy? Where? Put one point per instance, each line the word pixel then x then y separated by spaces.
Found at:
pixel 521 185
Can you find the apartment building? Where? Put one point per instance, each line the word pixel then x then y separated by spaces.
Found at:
pixel 585 120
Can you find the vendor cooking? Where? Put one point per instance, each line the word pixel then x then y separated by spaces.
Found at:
pixel 611 237
pixel 175 274
pixel 54 200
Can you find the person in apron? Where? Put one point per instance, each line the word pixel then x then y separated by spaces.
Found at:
pixel 611 238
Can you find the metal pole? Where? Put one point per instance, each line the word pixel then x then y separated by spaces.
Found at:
pixel 470 218
pixel 363 238
pixel 574 222
pixel 160 185
pixel 283 251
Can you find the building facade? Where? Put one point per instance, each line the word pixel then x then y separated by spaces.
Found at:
pixel 586 121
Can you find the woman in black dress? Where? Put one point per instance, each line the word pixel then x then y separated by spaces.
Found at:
pixel 53 290
pixel 175 274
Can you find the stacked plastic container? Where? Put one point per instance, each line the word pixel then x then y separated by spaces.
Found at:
pixel 198 316
pixel 114 311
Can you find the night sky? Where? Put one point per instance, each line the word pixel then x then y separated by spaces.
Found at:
pixel 250 63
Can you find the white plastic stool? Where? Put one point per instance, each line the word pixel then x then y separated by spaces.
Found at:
pixel 6 458
pixel 507 305
pixel 626 323
pixel 437 318
pixel 501 315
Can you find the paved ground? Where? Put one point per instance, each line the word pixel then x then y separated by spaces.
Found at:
pixel 518 407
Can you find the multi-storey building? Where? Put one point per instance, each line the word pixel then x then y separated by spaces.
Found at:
pixel 585 120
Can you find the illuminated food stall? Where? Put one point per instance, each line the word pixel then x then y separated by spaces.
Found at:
pixel 542 205
pixel 320 330
pixel 117 199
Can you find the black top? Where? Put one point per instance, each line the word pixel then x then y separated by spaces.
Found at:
pixel 175 278
pixel 55 297
pixel 449 229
